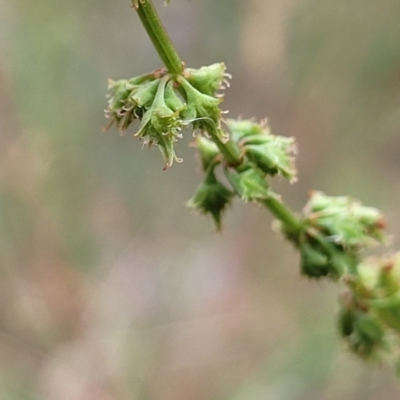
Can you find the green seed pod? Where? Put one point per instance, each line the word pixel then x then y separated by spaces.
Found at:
pixel 143 95
pixel 346 321
pixel 250 184
pixel 368 335
pixel 274 155
pixel 202 110
pixel 314 262
pixel 369 327
pixel 121 93
pixel 241 129
pixel 345 221
pixel 161 126
pixel 387 307
pixel 130 99
pixel 119 108
pixel 207 80
pixel 389 275
pixel 211 197
pixel 172 99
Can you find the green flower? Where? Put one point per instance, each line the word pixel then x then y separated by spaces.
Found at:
pixel 208 80
pixel 249 184
pixel 272 154
pixel 377 287
pixel 362 330
pixel 211 197
pixel 202 110
pixel 129 99
pixel 173 99
pixel 344 221
pixel 160 125
pixel 336 229
pixel 369 318
pixel 320 258
pixel 143 95
pixel 241 129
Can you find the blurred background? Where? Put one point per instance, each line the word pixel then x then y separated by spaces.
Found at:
pixel 110 288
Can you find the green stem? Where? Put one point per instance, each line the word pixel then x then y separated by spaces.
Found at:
pixel 233 156
pixel 230 150
pixel 158 35
pixel 291 221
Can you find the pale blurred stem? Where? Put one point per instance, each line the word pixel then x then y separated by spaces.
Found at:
pixel 158 35
pixel 229 149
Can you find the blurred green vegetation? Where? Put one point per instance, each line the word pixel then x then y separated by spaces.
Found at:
pixel 111 288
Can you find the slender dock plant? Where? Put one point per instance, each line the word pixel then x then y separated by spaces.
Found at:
pixel 331 234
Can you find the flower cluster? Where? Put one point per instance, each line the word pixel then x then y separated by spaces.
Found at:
pixel 263 154
pixel 369 319
pixel 211 197
pixel 336 230
pixel 165 104
pixel 272 154
pixel 202 90
pixel 331 234
pixel 345 221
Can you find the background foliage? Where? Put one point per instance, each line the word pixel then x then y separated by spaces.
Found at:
pixel 111 288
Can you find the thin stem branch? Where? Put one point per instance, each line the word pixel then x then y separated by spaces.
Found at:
pixel 229 149
pixel 158 35
pixel 290 220
pixel 233 156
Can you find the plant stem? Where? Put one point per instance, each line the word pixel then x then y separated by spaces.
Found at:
pixel 233 156
pixel 291 222
pixel 229 149
pixel 231 152
pixel 158 35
